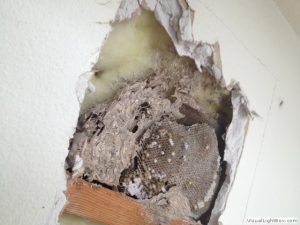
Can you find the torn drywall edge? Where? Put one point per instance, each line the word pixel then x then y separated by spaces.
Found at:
pixel 176 18
pixel 233 150
pixel 83 85
pixel 59 203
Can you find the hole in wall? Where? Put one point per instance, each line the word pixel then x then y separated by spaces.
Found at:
pixel 154 127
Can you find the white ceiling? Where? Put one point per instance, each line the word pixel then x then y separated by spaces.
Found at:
pixel 291 10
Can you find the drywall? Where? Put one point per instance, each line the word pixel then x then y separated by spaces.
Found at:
pixel 45 47
pixel 291 11
pixel 259 48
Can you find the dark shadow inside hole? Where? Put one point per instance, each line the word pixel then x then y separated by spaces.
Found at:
pixel 135 128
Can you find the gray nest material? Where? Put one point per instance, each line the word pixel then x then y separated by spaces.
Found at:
pixel 157 139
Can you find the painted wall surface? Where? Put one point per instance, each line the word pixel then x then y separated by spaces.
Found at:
pixel 290 9
pixel 260 49
pixel 46 45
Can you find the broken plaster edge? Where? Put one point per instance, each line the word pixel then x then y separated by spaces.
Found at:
pixel 83 85
pixel 177 19
pixel 234 143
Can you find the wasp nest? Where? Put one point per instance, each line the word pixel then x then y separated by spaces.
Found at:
pixel 157 140
pixel 179 156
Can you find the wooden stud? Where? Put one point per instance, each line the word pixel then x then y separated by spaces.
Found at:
pixel 100 204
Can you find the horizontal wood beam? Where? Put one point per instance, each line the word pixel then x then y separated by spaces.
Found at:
pixel 100 204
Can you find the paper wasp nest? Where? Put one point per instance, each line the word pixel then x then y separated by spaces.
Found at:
pixel 179 156
pixel 157 139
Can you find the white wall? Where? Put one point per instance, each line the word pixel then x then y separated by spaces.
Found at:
pixel 260 49
pixel 46 45
pixel 291 10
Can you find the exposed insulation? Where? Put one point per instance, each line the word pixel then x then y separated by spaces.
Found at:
pixel 129 51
